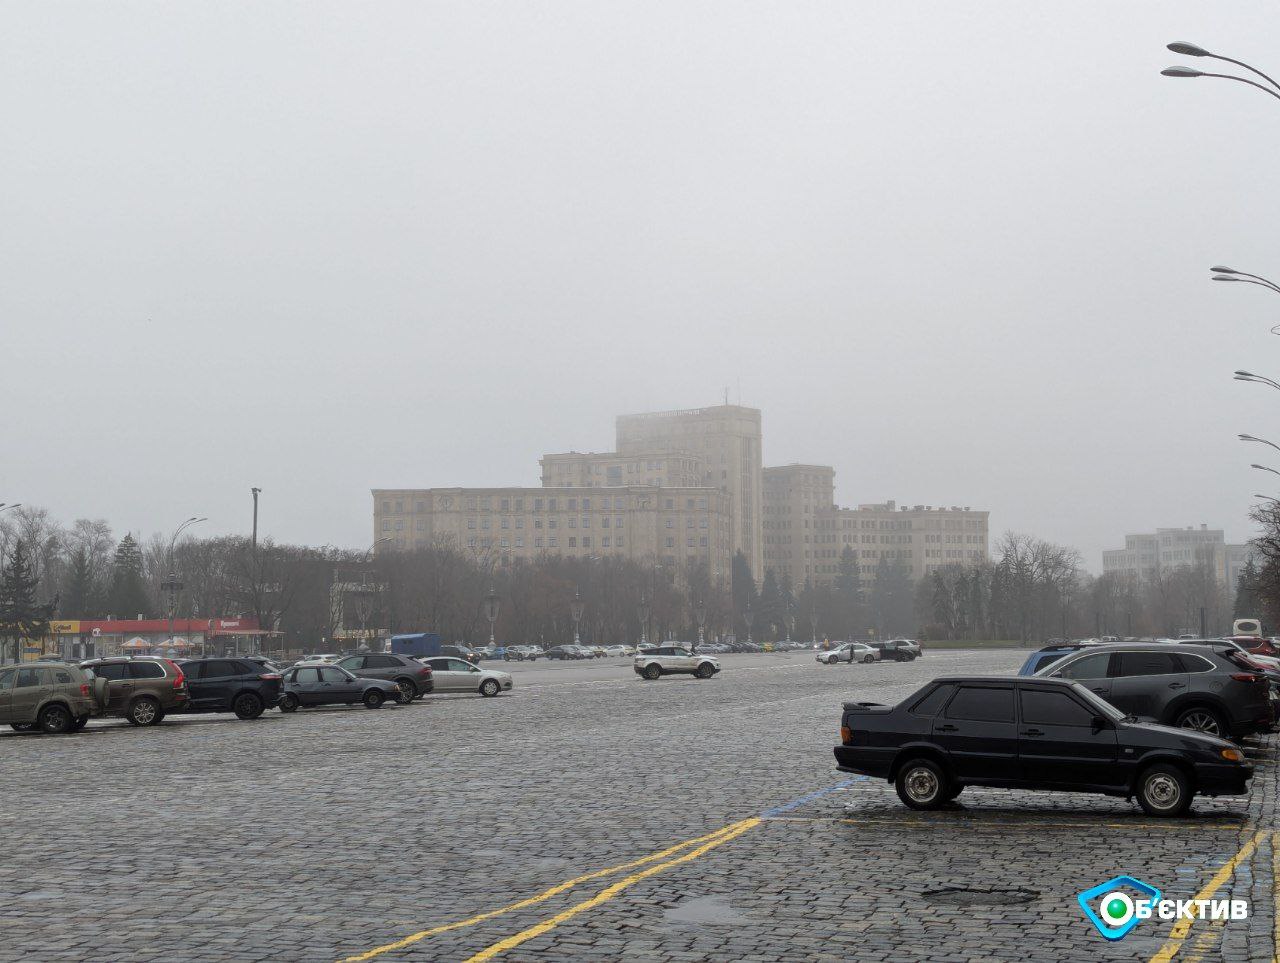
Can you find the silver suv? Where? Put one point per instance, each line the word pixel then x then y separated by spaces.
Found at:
pixel 1205 687
pixel 671 660
pixel 51 697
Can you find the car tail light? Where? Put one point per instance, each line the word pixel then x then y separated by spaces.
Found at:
pixel 270 677
pixel 425 671
pixel 1247 677
pixel 179 680
pixel 84 689
pixel 846 735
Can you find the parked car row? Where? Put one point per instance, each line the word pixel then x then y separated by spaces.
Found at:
pixel 60 697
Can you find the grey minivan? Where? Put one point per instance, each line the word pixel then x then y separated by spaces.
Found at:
pixel 1199 687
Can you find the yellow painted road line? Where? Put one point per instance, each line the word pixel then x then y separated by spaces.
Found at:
pixel 543 896
pixel 1182 928
pixel 608 893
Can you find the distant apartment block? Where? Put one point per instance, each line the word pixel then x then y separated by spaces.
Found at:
pixel 805 532
pixel 683 487
pixel 1146 556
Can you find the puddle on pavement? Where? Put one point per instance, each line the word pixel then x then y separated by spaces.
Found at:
pixel 705 910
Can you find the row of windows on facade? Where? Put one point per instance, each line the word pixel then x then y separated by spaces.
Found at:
pixel 877 539
pixel 635 467
pixel 485 503
pixel 574 541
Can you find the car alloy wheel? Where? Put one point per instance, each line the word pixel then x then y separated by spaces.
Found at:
pixel 652 671
pixel 1201 720
pixel 144 712
pixel 490 687
pixel 868 659
pixel 408 691
pixel 705 671
pixel 247 706
pixel 289 703
pixel 373 699
pixel 55 719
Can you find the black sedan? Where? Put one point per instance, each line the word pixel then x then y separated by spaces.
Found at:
pixel 1032 733
pixel 323 685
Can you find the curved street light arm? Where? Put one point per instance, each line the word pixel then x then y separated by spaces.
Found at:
pixel 1241 63
pixel 1244 80
pixel 1263 283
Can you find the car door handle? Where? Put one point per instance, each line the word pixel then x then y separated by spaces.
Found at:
pixel 947 728
pixel 1176 685
pixel 1033 732
pixel 1102 689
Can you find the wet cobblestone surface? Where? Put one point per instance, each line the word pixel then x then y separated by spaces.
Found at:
pixel 336 832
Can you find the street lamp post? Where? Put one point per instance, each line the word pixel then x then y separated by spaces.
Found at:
pixel 748 617
pixel 491 602
pixel 575 613
pixel 171 583
pixel 700 616
pixel 813 624
pixel 642 613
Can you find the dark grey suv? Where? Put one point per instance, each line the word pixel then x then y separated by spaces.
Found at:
pixel 411 677
pixel 1200 687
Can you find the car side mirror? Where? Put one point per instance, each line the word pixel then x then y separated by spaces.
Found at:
pixel 1100 723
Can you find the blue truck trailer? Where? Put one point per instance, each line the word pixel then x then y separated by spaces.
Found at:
pixel 416 644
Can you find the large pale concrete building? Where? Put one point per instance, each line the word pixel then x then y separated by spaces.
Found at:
pixel 684 487
pixel 675 526
pixel 1147 555
pixel 805 532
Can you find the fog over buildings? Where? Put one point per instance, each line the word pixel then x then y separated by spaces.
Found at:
pixel 958 253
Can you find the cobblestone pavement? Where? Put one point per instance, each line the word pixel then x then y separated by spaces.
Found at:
pixel 333 833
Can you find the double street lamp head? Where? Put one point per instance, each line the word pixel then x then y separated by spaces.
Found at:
pixel 1182 72
pixel 1189 49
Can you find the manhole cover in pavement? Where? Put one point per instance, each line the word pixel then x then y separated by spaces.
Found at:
pixel 705 910
pixel 972 896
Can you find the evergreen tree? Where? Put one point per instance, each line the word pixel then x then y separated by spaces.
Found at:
pixel 850 609
pixel 891 597
pixel 21 616
pixel 78 601
pixel 771 607
pixel 127 597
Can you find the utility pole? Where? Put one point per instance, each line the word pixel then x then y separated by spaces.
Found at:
pixel 255 492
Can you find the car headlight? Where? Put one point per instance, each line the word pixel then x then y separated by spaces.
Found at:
pixel 1232 755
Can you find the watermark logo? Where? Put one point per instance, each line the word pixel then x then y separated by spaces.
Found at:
pixel 1113 906
pixel 1122 902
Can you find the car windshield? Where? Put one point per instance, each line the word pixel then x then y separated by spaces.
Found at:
pixel 1104 708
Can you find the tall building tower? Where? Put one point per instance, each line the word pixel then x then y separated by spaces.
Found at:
pixel 727 440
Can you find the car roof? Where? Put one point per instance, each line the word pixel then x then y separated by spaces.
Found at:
pixel 1004 679
pixel 1160 646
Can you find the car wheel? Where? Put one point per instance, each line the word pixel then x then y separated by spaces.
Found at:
pixel 1164 790
pixel 490 688
pixel 56 719
pixel 1203 720
pixel 144 712
pixel 867 660
pixel 922 784
pixel 652 671
pixel 408 691
pixel 705 671
pixel 373 699
pixel 289 702
pixel 79 723
pixel 22 726
pixel 247 706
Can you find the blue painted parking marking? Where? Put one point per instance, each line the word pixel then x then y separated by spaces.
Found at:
pixel 797 803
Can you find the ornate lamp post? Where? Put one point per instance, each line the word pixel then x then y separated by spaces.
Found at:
pixel 364 608
pixel 642 613
pixel 491 602
pixel 171 584
pixel 700 615
pixel 575 613
pixel 813 623
pixel 791 624
pixel 748 616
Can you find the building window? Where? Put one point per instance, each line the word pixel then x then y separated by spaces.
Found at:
pixel 670 523
pixel 506 504
pixel 537 541
pixel 422 524
pixel 617 521
pixel 604 522
pixel 399 524
pixel 386 524
pixel 688 542
pixel 505 543
pixel 586 541
pixel 606 541
pixel 551 523
pixel 586 521
pixel 620 541
pixel 537 523
pixel 586 504
pixel 671 503
pixel 484 524
pixel 573 521
pixel 617 501
pixel 386 507
pixel 703 541
pixel 506 522
pixel 399 506
pixel 471 542
pixel 519 504
pixel 573 504
pixel 486 542
pixel 537 504
pixel 519 541
pixel 551 504
pixel 421 506
pixel 519 523
pixel 671 542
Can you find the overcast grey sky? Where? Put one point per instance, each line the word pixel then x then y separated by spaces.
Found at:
pixel 957 251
